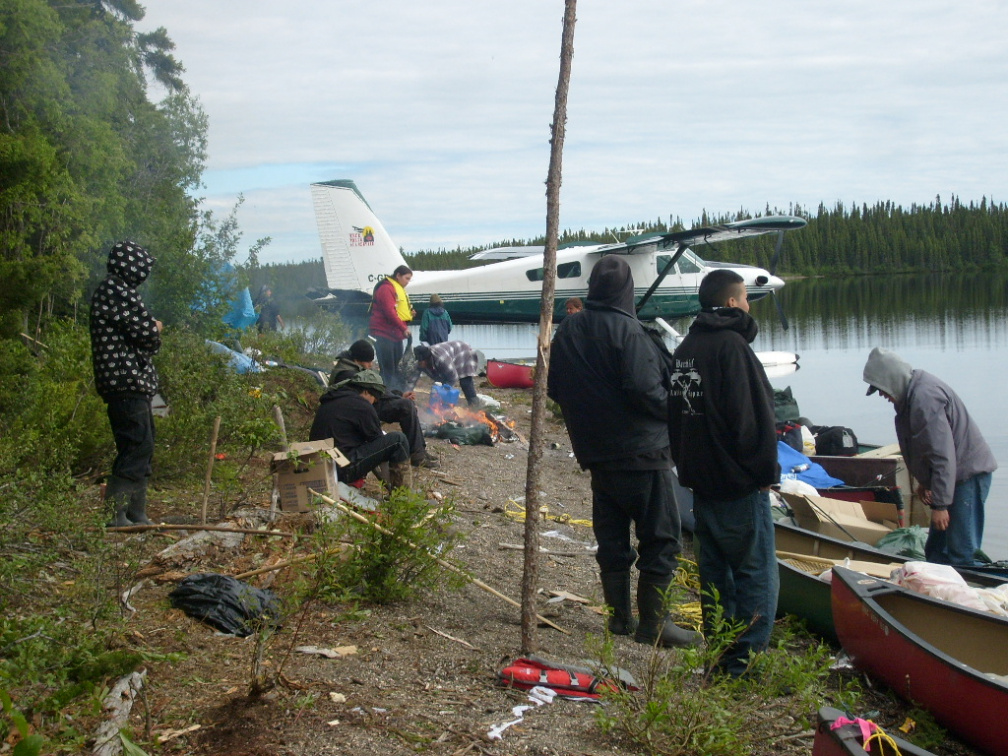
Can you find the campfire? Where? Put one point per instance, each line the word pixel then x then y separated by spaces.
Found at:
pixel 465 426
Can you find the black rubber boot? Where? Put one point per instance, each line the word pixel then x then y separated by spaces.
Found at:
pixel 616 590
pixel 117 499
pixel 655 625
pixel 136 512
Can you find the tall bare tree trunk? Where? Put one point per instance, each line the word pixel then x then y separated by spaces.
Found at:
pixel 530 578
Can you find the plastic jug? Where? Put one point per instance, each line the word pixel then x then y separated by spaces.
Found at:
pixel 443 396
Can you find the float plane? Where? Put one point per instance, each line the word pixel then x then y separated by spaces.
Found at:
pixel 357 252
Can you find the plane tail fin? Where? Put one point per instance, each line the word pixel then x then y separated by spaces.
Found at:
pixel 356 249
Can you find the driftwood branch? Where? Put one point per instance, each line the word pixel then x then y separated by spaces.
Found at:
pixel 467 644
pixel 543 550
pixel 291 562
pixel 214 528
pixel 342 506
pixel 119 703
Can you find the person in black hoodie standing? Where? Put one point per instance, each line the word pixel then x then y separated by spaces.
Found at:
pixel 611 383
pixel 724 443
pixel 124 339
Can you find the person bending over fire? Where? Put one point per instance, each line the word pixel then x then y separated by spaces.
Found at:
pixel 451 362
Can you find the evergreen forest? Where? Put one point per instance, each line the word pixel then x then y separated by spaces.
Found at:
pixel 855 239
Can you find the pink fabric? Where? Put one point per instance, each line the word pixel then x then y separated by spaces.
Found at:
pixel 866 727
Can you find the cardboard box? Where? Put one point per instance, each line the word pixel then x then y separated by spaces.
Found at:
pixel 844 520
pixel 311 464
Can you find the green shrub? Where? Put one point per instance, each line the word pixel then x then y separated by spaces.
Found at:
pixel 685 707
pixel 384 567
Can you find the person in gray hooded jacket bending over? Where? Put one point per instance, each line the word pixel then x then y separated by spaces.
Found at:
pixel 943 450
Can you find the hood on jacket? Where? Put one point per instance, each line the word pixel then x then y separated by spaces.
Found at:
pixel 611 284
pixel 130 262
pixel 727 318
pixel 887 372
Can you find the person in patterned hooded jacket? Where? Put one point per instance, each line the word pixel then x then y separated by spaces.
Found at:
pixel 124 339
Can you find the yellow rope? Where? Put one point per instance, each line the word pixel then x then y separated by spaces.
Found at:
pixel 883 740
pixel 519 515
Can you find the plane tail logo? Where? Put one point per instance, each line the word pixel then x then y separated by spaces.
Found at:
pixel 356 249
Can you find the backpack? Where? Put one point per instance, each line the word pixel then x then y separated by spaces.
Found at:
pixel 790 433
pixel 785 406
pixel 835 440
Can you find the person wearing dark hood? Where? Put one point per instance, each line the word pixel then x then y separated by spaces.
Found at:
pixel 346 414
pixel 392 407
pixel 436 323
pixel 944 451
pixel 724 444
pixel 124 339
pixel 611 383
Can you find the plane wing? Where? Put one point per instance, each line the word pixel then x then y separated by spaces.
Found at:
pixel 645 243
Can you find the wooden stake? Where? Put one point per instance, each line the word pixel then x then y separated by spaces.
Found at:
pixel 209 470
pixel 447 565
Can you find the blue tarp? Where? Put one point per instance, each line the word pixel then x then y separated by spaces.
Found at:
pixel 815 475
pixel 242 313
pixel 241 363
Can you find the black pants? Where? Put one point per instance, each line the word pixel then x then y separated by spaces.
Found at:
pixel 468 387
pixel 393 408
pixel 389 447
pixel 644 498
pixel 133 430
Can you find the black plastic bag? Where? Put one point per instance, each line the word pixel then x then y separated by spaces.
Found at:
pixel 226 603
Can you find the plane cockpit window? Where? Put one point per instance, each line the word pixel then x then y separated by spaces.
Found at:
pixel 566 270
pixel 688 264
pixel 685 264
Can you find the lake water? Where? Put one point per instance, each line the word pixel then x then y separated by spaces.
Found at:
pixel 955 327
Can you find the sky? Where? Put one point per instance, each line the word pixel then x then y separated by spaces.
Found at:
pixel 441 111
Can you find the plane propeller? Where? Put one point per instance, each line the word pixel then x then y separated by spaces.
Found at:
pixel 773 271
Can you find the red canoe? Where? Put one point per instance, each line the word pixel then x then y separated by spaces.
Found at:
pixel 933 653
pixel 510 374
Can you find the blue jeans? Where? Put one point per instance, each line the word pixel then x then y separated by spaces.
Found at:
pixel 959 542
pixel 389 352
pixel 736 555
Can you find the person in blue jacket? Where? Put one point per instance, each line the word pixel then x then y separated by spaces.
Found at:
pixel 436 323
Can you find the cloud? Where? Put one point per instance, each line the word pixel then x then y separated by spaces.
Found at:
pixel 441 113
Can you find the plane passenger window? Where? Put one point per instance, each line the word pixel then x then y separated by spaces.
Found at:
pixel 688 265
pixel 566 270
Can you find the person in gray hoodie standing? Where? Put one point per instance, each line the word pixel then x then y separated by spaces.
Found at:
pixel 943 450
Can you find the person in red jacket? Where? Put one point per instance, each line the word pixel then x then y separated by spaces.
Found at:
pixel 390 313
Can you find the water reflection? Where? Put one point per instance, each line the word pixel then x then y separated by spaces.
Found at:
pixel 948 312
